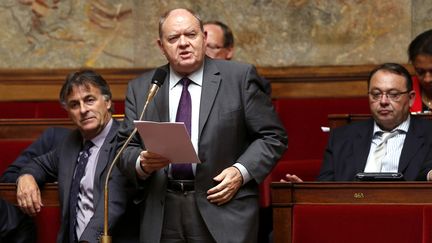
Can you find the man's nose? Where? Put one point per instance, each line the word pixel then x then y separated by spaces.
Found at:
pixel 428 77
pixel 384 99
pixel 183 40
pixel 83 108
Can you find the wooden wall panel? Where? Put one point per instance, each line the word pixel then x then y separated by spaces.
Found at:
pixel 288 82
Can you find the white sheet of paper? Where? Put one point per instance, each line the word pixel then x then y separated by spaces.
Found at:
pixel 168 139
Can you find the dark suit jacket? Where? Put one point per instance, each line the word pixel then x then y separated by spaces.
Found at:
pixel 348 149
pixel 237 123
pixel 15 226
pixel 59 165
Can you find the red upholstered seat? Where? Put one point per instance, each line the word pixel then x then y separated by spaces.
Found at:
pixel 48 224
pixel 427 224
pixel 31 109
pixel 304 117
pixel 359 224
pixel 9 150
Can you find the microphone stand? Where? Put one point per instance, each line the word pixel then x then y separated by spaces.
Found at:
pixel 106 238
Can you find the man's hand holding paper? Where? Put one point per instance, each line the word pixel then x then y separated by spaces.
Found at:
pixel 151 161
pixel 167 141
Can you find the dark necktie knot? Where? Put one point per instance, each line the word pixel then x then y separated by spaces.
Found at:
pixel 85 152
pixel 388 135
pixel 87 145
pixel 185 82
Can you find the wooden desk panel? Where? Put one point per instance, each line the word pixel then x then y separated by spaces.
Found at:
pixel 30 128
pixel 49 194
pixel 285 196
pixel 287 82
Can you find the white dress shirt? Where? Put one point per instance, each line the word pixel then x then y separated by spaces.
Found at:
pixel 390 162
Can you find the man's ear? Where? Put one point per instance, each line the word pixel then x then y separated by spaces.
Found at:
pixel 160 45
pixel 412 95
pixel 64 106
pixel 230 53
pixel 109 104
pixel 205 39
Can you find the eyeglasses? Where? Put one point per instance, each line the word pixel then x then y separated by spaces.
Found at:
pixel 421 72
pixel 214 47
pixel 391 95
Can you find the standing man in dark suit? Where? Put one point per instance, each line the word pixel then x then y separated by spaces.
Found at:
pixel 408 147
pixel 233 127
pixel 87 98
pixel 15 226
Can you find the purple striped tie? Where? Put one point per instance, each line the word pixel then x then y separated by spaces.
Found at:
pixel 184 112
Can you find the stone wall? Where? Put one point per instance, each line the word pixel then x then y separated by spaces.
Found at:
pixel 268 33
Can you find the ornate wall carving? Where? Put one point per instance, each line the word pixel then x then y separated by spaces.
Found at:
pixel 269 33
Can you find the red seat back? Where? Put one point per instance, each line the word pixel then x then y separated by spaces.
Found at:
pixel 358 224
pixel 9 150
pixel 48 224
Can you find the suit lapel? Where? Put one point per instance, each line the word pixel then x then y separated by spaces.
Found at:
pixel 362 146
pixel 210 87
pixel 414 140
pixel 105 151
pixel 69 157
pixel 161 100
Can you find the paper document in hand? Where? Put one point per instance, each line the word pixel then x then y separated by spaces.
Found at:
pixel 169 139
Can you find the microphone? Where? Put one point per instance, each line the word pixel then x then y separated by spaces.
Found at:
pixel 157 81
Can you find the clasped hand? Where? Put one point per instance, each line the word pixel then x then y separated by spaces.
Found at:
pixel 28 195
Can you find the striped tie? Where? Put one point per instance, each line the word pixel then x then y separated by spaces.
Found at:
pixel 381 150
pixel 75 188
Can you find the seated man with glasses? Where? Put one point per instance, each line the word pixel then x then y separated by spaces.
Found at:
pixel 220 40
pixel 391 141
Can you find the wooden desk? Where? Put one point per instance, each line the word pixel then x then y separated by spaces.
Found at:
pixel 49 194
pixel 337 120
pixel 285 196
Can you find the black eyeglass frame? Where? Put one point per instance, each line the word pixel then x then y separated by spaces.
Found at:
pixel 392 95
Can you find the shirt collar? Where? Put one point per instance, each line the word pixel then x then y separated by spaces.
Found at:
pixel 403 127
pixel 196 77
pixel 100 138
